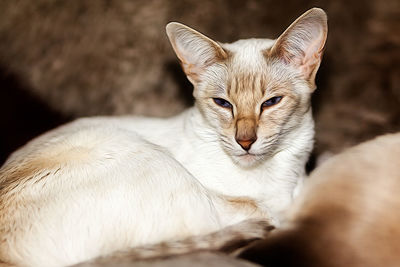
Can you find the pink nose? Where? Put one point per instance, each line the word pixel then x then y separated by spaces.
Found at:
pixel 246 144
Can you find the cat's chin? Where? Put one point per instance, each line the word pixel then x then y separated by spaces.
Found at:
pixel 248 160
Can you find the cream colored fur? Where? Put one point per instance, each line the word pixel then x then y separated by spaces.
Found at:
pixel 347 214
pixel 99 185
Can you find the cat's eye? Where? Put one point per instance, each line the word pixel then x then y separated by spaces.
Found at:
pixel 272 101
pixel 222 102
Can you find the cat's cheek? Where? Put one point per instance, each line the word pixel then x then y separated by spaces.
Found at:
pixel 226 120
pixel 221 116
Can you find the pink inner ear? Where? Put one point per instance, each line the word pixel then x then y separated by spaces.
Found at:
pixel 191 71
pixel 195 51
pixel 301 46
pixel 196 55
pixel 311 57
pixel 192 66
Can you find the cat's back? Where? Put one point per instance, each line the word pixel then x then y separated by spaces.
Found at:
pixel 83 138
pixel 77 153
pixel 89 188
pixel 62 189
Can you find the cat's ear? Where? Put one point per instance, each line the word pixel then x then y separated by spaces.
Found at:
pixel 302 44
pixel 195 51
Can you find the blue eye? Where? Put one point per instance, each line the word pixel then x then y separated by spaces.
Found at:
pixel 222 102
pixel 272 101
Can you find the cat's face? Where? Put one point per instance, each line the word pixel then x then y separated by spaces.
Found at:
pixel 253 92
pixel 252 108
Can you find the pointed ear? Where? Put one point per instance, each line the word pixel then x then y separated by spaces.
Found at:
pixel 302 44
pixel 195 51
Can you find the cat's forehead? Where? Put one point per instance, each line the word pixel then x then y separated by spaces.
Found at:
pixel 247 75
pixel 249 71
pixel 251 44
pixel 248 54
pixel 249 58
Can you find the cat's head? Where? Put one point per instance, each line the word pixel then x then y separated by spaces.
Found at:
pixel 255 91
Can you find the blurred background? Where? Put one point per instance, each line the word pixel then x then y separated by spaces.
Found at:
pixel 60 60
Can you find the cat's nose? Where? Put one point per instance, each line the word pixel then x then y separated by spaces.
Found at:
pixel 246 132
pixel 246 143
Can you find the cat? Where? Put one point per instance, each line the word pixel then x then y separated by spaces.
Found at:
pixel 347 214
pixel 105 184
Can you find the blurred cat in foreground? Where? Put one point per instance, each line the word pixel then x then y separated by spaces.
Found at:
pixel 348 214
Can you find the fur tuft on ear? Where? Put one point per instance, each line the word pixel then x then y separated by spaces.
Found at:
pixel 195 51
pixel 302 44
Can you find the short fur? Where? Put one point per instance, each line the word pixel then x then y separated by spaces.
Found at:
pixel 348 214
pixel 100 185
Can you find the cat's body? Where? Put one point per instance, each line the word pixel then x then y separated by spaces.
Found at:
pixel 86 173
pixel 100 185
pixel 93 195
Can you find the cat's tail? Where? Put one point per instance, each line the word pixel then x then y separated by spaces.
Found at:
pixel 229 240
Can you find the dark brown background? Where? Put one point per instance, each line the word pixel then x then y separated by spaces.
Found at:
pixel 65 59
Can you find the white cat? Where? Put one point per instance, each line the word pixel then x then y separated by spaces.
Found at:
pixel 99 185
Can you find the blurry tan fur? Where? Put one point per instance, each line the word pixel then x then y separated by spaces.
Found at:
pixel 348 215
